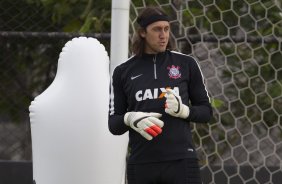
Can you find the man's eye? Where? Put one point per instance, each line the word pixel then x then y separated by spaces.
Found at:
pixel 160 29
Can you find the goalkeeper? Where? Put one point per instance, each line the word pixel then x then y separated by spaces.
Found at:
pixel 155 95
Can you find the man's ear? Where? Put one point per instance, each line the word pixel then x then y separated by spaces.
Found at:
pixel 142 33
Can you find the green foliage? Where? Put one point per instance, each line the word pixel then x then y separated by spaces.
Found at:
pixel 26 70
pixel 216 103
pixel 223 4
pixel 195 8
pixel 187 19
pixel 77 16
pixel 29 64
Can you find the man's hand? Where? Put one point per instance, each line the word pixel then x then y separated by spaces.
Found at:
pixel 174 105
pixel 147 124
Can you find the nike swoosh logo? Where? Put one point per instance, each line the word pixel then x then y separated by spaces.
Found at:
pixel 134 77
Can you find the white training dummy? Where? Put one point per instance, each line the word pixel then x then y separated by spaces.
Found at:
pixel 71 143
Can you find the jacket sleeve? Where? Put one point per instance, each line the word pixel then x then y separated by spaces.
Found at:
pixel 200 110
pixel 118 105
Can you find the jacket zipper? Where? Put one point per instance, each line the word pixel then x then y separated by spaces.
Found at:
pixel 155 67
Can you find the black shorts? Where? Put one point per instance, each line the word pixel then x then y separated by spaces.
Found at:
pixel 184 171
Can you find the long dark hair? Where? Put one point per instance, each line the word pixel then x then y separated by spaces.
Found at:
pixel 138 42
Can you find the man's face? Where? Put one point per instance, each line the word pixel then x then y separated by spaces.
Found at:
pixel 156 37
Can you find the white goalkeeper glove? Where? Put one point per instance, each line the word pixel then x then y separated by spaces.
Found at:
pixel 174 105
pixel 147 124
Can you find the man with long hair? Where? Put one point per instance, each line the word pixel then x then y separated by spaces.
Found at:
pixel 155 95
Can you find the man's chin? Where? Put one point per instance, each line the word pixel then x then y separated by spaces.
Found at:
pixel 162 49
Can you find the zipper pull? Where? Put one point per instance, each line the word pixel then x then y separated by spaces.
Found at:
pixel 155 67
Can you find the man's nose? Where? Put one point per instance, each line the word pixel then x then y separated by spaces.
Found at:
pixel 162 33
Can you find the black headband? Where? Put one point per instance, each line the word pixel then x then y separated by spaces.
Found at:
pixel 144 22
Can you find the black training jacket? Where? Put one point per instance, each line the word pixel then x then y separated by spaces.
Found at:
pixel 139 84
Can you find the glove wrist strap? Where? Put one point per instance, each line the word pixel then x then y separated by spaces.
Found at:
pixel 185 111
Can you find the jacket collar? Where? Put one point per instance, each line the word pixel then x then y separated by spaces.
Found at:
pixel 158 56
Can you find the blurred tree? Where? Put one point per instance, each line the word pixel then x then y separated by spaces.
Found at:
pixel 30 60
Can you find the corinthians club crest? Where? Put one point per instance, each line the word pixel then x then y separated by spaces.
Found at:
pixel 174 72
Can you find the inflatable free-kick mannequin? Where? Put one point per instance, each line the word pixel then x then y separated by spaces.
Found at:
pixel 71 143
